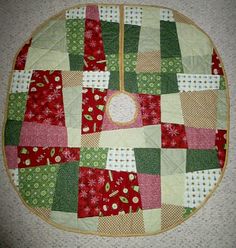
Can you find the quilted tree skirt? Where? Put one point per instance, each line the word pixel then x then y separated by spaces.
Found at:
pixel 117 120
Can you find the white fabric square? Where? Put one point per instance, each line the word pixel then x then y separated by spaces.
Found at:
pixel 198 185
pixel 197 82
pixel 96 79
pixel 166 15
pixel 121 159
pixel 133 15
pixel 77 13
pixel 109 13
pixel 21 80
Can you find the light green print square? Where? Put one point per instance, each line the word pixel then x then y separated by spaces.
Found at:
pixel 93 157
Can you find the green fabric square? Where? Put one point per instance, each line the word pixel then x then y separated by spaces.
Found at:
pixel 12 132
pixel 201 160
pixel 131 38
pixel 112 62
pixel 131 82
pixel 169 83
pixel 222 83
pixel 75 36
pixel 149 83
pixel 130 62
pixel 147 160
pixel 171 65
pixel 37 185
pixel 93 157
pixel 169 40
pixel 16 106
pixel 76 62
pixel 110 37
pixel 114 80
pixel 66 192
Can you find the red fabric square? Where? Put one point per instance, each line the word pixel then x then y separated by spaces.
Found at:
pixel 11 156
pixel 173 136
pixel 91 187
pixel 121 194
pixel 216 67
pixel 94 55
pixel 93 105
pixel 106 193
pixel 200 138
pixel 45 101
pixel 220 142
pixel 21 57
pixel 29 156
pixel 150 190
pixel 36 134
pixel 150 108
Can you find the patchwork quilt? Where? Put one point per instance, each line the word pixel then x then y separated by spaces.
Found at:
pixel 117 120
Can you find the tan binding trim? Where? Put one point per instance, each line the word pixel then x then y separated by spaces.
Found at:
pixel 121 49
pixel 60 226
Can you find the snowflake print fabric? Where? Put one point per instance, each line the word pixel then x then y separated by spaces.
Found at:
pixel 45 101
pixel 94 55
pixel 117 120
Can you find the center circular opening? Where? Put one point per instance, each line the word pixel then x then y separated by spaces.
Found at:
pixel 122 108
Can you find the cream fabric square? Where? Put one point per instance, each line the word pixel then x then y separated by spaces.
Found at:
pixel 72 99
pixel 198 185
pixel 166 15
pixel 121 159
pixel 221 110
pixel 133 15
pixel 197 64
pixel 44 59
pixel 64 218
pixel 151 17
pixel 96 79
pixel 152 135
pixel 74 137
pixel 21 81
pixel 149 39
pixel 152 220
pixel 109 13
pixel 197 82
pixel 89 224
pixel 76 13
pixel 133 137
pixel 52 36
pixel 192 41
pixel 173 161
pixel 171 110
pixel 173 189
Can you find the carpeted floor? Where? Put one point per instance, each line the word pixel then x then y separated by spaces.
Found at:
pixel 213 226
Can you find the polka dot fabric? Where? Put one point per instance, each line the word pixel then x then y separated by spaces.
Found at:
pixel 116 122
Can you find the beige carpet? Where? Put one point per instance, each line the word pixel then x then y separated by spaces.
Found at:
pixel 213 226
